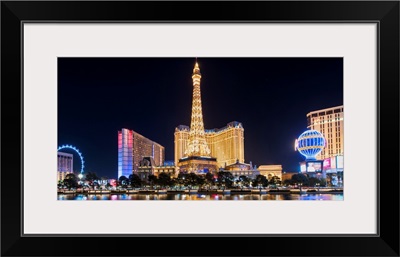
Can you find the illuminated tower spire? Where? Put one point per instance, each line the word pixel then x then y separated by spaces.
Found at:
pixel 197 145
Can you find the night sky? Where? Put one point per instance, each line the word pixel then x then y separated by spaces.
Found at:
pixel 269 96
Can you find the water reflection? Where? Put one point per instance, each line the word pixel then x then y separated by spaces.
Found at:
pixel 202 197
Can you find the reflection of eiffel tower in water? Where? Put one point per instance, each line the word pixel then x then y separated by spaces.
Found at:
pixel 197 155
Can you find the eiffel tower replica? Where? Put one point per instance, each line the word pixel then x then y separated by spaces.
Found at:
pixel 197 157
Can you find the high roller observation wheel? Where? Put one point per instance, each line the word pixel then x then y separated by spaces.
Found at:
pixel 77 151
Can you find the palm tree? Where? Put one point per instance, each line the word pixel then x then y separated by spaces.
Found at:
pixel 260 180
pixel 300 179
pixel 164 179
pixel 225 179
pixel 135 181
pixel 123 181
pixel 209 179
pixel 181 179
pixel 275 180
pixel 152 180
pixel 91 177
pixel 192 180
pixel 70 181
pixel 244 181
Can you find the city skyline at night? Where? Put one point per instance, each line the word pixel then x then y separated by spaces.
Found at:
pixel 271 97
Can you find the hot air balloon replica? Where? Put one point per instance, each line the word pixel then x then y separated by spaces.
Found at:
pixel 309 144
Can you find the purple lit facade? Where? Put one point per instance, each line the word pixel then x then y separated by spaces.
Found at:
pixel 132 147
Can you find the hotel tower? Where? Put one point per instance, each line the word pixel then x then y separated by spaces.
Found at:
pixel 330 123
pixel 132 147
pixel 226 144
pixel 65 165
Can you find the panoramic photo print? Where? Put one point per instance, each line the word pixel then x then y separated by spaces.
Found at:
pixel 200 128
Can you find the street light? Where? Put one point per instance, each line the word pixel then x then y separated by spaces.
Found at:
pixel 80 176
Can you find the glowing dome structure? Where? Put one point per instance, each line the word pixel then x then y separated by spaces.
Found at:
pixel 310 143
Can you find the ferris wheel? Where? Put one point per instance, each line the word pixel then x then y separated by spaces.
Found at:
pixel 77 151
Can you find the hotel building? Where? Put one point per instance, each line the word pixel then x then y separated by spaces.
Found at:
pixel 330 123
pixel 238 169
pixel 147 167
pixel 132 147
pixel 65 165
pixel 226 144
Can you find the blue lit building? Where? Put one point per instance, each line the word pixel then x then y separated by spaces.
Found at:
pixel 132 147
pixel 125 150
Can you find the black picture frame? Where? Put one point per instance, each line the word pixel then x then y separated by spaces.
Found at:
pixel 384 13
